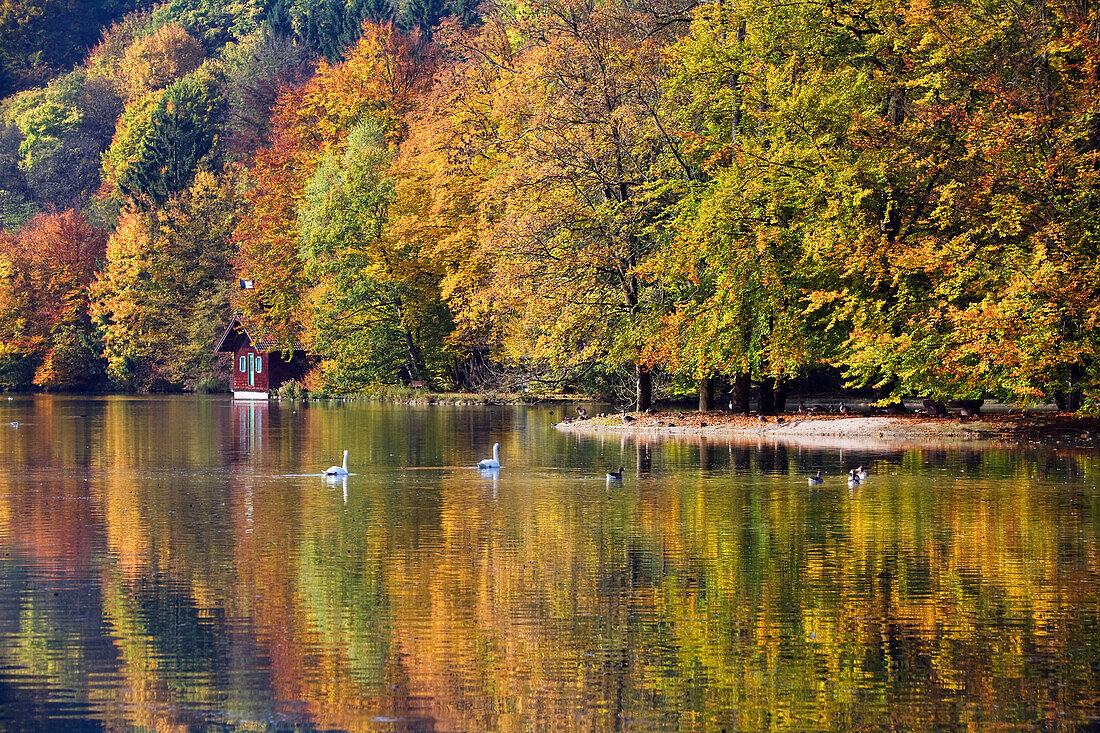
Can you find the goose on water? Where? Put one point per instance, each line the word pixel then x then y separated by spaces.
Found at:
pixel 615 476
pixel 818 479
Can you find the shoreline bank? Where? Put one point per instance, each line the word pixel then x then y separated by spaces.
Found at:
pixel 1053 429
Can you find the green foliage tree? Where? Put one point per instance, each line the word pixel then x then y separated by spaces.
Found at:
pixel 327 27
pixel 163 137
pixel 375 293
pixel 378 84
pixel 64 128
pixel 215 23
pixel 14 193
pixel 422 14
pixel 870 196
pixel 757 128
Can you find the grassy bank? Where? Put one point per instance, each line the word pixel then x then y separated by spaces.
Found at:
pixel 406 395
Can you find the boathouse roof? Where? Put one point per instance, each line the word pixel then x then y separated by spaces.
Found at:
pixel 266 342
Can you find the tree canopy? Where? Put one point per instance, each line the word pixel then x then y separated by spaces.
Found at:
pixel 581 192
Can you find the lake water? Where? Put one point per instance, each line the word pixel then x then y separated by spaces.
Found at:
pixel 178 563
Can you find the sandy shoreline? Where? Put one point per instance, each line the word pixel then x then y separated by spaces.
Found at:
pixel 850 431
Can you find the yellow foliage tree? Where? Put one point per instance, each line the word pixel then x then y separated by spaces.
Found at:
pixel 156 61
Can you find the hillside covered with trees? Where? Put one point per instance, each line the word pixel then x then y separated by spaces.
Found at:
pixel 586 193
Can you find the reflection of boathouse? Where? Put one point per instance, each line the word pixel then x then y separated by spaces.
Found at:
pixel 257 365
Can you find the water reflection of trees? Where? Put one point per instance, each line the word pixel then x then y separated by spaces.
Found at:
pixel 890 604
pixel 713 589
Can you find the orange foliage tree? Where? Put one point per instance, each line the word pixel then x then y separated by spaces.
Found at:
pixel 384 76
pixel 46 336
pixel 158 60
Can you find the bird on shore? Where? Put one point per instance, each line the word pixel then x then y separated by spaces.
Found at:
pixel 627 418
pixel 582 413
pixel 493 462
pixel 338 470
pixel 817 479
pixel 615 475
pixel 843 409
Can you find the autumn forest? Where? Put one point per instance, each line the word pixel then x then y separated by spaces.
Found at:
pixel 613 196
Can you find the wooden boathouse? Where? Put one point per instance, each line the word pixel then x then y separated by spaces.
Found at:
pixel 258 366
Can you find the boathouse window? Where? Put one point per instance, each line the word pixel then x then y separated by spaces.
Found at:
pixel 259 363
pixel 243 364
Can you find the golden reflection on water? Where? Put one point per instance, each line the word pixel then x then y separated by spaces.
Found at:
pixel 172 563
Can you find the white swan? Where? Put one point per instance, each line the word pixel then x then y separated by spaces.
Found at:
pixel 493 462
pixel 338 470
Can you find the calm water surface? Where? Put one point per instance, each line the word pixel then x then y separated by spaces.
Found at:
pixel 179 564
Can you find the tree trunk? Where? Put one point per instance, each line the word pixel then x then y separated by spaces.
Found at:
pixel 765 403
pixel 643 383
pixel 414 356
pixel 742 392
pixel 1072 397
pixel 780 396
pixel 706 394
pixel 1069 401
pixel 410 344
